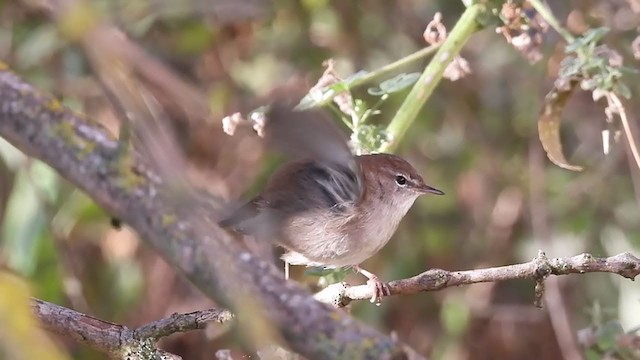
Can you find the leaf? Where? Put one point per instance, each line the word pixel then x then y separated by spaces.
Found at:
pixel 549 124
pixel 589 38
pixel 628 70
pixel 375 91
pixel 395 84
pixel 595 35
pixel 622 90
pixel 353 77
pixel 569 67
pixel 24 223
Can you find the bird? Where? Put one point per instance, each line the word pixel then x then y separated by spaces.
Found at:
pixel 328 207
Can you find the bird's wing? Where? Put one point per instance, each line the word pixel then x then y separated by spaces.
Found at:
pixel 325 175
pixel 313 136
pixel 322 185
pixel 245 212
pixel 308 134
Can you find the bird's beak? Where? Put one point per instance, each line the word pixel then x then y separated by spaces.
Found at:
pixel 426 189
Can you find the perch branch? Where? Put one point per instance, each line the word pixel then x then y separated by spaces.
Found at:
pixel 538 269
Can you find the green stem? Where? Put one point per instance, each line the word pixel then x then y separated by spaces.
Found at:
pixel 394 66
pixel 422 90
pixel 548 16
pixel 376 74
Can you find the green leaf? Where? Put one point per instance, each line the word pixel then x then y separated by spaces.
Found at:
pixel 23 226
pixel 589 39
pixel 375 91
pixel 595 35
pixel 622 90
pixel 628 70
pixel 574 46
pixel 570 67
pixel 395 84
pixel 588 84
pixel 353 77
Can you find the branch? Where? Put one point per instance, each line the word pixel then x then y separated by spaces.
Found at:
pixel 119 340
pixel 538 269
pixel 183 234
pixel 181 323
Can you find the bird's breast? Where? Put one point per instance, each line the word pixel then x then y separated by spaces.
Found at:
pixel 336 240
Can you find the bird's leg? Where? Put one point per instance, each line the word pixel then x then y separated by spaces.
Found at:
pixel 286 270
pixel 380 289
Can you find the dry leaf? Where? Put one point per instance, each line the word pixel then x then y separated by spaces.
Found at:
pixel 549 123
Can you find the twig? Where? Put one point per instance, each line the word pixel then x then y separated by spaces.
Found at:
pixel 182 323
pixel 118 340
pixel 538 269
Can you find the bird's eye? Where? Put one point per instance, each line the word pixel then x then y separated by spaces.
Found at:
pixel 401 180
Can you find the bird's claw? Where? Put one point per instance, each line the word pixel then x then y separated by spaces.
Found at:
pixel 380 289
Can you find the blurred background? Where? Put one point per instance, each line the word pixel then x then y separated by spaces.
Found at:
pixel 476 139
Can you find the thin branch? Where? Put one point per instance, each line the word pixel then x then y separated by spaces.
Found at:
pixel 538 269
pixel 117 340
pixel 182 323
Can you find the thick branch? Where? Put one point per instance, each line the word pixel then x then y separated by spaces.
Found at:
pixel 538 269
pixel 86 155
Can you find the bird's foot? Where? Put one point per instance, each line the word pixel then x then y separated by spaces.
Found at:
pixel 380 288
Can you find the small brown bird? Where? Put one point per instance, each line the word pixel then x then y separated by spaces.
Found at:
pixel 329 208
